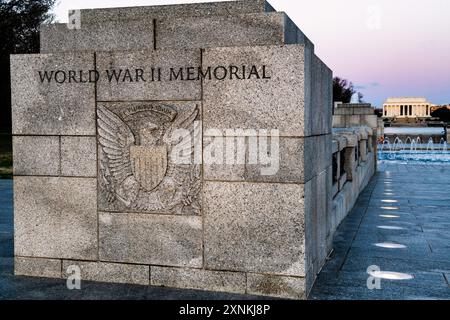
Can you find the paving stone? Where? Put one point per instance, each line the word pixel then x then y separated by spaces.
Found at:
pixel 424 235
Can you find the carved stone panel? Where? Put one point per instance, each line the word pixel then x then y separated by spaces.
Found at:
pixel 137 169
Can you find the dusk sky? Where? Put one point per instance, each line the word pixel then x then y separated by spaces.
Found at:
pixel 386 48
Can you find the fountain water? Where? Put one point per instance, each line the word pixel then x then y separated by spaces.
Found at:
pixel 414 150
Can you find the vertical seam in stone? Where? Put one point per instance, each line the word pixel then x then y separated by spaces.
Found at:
pixel 96 159
pixel 60 156
pixel 202 211
pixel 154 34
pixel 246 283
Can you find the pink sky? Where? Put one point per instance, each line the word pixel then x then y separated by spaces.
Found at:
pixel 386 48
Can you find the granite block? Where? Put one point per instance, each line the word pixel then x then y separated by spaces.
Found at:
pixel 97 36
pixel 242 233
pixel 298 161
pixel 151 239
pixel 198 279
pixel 318 201
pixel 320 111
pixel 48 107
pixel 37 267
pixel 258 103
pixel 293 35
pixel 78 156
pixel 37 156
pixel 280 101
pixel 219 31
pixel 109 272
pixel 55 217
pixel 338 121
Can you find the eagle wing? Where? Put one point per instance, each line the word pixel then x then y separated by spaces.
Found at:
pixel 185 120
pixel 115 138
pixel 185 145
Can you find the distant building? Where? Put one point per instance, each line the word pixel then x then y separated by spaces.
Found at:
pixel 407 108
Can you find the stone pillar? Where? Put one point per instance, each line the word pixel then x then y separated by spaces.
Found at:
pixel 363 149
pixel 98 183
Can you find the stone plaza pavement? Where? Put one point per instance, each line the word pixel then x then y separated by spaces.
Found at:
pixel 401 223
pixel 405 210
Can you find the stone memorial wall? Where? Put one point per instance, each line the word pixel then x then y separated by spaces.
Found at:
pixel 184 146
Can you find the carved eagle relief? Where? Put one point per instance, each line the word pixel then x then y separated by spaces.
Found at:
pixel 136 169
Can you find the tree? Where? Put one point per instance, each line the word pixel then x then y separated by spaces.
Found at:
pixel 343 90
pixel 19 34
pixel 442 113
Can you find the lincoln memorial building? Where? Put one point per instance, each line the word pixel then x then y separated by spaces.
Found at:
pixel 407 108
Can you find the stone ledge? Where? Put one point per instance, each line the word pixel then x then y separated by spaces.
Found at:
pixel 175 11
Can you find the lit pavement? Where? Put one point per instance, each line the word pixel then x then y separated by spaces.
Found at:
pixel 400 224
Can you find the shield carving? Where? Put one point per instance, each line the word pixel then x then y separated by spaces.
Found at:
pixel 149 165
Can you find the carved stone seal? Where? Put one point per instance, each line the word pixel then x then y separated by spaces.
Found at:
pixel 135 171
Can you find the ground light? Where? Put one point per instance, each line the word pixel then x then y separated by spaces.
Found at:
pixel 389 216
pixel 390 245
pixel 389 275
pixel 389 208
pixel 390 228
